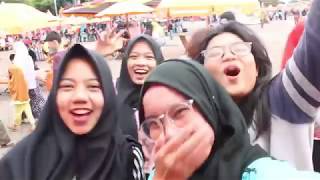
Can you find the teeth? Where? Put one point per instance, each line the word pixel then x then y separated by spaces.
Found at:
pixel 80 112
pixel 140 71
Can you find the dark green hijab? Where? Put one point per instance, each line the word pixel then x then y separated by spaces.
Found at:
pixel 232 151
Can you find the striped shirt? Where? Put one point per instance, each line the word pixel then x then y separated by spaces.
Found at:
pixel 294 97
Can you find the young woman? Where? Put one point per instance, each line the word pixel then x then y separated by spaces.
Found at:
pixel 199 131
pixel 77 136
pixel 143 54
pixel 280 112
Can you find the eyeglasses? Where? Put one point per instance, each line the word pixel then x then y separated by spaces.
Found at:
pixel 153 128
pixel 238 49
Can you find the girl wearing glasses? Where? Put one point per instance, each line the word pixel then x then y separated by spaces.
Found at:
pixel 77 136
pixel 199 131
pixel 278 112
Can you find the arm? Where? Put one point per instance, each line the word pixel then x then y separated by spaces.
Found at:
pixel 295 92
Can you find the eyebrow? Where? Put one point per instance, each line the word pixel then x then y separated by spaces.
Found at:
pixel 214 46
pixel 70 79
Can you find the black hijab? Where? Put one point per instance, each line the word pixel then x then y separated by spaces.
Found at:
pixel 232 151
pixel 53 152
pixel 128 91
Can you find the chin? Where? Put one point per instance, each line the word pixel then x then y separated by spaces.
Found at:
pixel 81 131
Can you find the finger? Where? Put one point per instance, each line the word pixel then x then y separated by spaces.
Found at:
pixel 188 146
pixel 199 154
pixel 102 35
pixel 112 32
pixel 120 33
pixel 175 142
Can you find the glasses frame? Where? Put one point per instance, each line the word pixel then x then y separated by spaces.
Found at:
pixel 160 120
pixel 204 53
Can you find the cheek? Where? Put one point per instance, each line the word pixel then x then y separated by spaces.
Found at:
pixel 151 64
pixel 130 67
pixel 63 100
pixel 251 72
pixel 214 70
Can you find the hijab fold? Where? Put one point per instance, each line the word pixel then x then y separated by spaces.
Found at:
pixel 128 91
pixel 53 152
pixel 232 151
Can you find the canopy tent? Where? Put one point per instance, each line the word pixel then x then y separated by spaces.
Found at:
pixel 178 8
pixel 16 18
pixel 89 9
pixel 125 8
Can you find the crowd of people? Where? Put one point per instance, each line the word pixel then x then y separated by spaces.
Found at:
pixel 216 114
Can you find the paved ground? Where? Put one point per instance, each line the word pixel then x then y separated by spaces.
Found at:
pixel 273 35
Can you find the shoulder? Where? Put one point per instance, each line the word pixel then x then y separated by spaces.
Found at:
pixel 268 168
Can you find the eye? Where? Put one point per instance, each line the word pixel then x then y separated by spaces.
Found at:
pixel 66 87
pixel 133 57
pixel 179 112
pixel 149 57
pixel 94 88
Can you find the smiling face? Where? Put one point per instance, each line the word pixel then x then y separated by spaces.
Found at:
pixel 141 62
pixel 80 100
pixel 237 73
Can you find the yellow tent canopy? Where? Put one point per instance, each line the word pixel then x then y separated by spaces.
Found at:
pixel 16 18
pixel 123 8
pixel 178 8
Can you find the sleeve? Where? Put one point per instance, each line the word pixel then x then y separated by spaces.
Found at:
pixel 137 170
pixel 294 95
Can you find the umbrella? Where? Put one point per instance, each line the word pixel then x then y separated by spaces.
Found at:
pixel 16 18
pixel 125 8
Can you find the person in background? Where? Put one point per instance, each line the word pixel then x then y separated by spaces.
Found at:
pixel 25 62
pixel 18 90
pixel 33 55
pixel 55 52
pixel 142 55
pixel 292 42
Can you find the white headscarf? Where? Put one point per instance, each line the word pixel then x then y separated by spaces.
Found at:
pixel 23 60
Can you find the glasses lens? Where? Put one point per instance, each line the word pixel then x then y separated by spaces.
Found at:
pixel 241 49
pixel 178 114
pixel 215 52
pixel 152 128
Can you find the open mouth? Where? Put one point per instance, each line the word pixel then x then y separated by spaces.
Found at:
pixel 81 115
pixel 141 71
pixel 232 71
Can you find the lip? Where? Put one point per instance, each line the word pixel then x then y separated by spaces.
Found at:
pixel 81 116
pixel 141 71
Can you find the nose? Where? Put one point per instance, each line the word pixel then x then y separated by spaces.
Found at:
pixel 228 55
pixel 169 129
pixel 80 95
pixel 141 61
